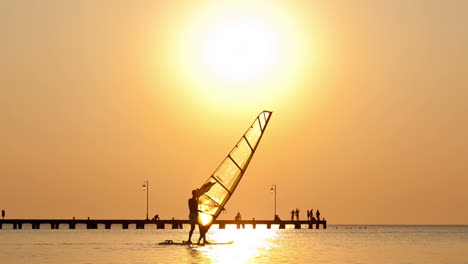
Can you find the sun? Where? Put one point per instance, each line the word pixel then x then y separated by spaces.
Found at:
pixel 241 48
pixel 238 52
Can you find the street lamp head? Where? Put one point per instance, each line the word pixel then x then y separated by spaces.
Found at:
pixel 144 187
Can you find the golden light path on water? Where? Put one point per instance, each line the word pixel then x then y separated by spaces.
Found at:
pixel 249 244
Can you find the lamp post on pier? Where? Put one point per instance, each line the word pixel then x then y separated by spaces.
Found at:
pixel 146 188
pixel 273 189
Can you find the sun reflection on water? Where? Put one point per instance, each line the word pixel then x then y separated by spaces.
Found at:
pixel 248 247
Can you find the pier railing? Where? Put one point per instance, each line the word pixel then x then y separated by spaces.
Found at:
pixel 158 224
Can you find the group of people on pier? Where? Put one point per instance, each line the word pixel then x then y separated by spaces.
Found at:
pixel 310 215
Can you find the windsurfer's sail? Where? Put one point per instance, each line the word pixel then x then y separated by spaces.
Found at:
pixel 220 186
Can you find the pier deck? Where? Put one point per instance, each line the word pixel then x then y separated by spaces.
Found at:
pixel 158 224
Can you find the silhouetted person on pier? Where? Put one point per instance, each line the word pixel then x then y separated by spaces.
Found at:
pixel 318 215
pixel 292 214
pixel 3 214
pixel 311 214
pixel 297 214
pixel 308 215
pixel 156 217
pixel 238 216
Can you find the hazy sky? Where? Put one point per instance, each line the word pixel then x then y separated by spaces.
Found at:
pixel 369 98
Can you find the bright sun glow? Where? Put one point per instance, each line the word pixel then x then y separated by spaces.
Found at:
pixel 205 219
pixel 241 48
pixel 238 52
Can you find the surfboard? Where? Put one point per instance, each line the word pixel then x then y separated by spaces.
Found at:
pixel 183 243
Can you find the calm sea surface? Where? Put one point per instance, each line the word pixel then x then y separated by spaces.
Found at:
pixel 337 244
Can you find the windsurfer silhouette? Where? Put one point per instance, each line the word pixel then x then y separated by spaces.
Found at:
pixel 193 215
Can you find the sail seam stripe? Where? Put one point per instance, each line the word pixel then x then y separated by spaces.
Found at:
pixel 235 162
pixel 212 200
pixel 260 122
pixel 246 140
pixel 222 185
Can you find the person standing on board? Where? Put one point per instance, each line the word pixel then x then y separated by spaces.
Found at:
pixel 292 214
pixel 318 215
pixel 193 215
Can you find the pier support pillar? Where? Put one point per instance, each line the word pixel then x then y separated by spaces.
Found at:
pixel 108 225
pixel 311 226
pixel 175 226
pixel 222 226
pixel 268 226
pixel 297 226
pixel 124 226
pixel 254 226
pixel 1 226
pixel 54 225
pixel 72 226
pixel 325 225
pixel 159 226
pixel 317 225
pixel 282 226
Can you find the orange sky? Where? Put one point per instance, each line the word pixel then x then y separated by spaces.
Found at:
pixel 369 122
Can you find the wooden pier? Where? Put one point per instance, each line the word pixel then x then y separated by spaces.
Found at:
pixel 158 224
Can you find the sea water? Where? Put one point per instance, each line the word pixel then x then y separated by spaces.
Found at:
pixel 337 244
